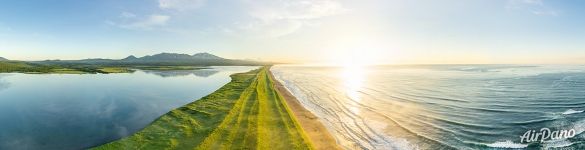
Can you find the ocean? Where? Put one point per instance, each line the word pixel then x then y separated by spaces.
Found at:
pixel 445 106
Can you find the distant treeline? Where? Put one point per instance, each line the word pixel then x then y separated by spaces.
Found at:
pixel 34 67
pixel 18 66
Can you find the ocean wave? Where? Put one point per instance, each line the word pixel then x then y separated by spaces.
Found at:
pixel 571 111
pixel 535 121
pixel 579 127
pixel 557 144
pixel 507 144
pixel 396 144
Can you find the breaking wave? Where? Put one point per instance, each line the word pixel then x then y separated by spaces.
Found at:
pixel 507 144
pixel 571 111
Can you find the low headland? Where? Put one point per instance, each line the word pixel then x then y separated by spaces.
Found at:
pixel 249 112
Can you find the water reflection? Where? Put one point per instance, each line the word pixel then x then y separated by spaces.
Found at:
pixel 3 84
pixel 177 73
pixel 353 79
pixel 70 111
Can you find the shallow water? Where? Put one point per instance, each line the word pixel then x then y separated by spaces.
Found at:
pixel 442 106
pixel 67 111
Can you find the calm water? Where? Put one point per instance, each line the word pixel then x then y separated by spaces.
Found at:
pixel 443 106
pixel 53 111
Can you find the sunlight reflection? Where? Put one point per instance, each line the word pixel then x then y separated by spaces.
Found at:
pixel 353 79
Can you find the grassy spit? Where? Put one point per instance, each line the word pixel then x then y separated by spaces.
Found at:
pixel 247 113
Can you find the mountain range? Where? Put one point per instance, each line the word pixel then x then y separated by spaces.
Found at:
pixel 163 59
pixel 174 57
pixel 3 59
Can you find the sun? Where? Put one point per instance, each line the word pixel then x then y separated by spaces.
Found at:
pixel 357 58
pixel 361 53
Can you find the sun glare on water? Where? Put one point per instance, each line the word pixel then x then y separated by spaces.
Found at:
pixel 353 80
pixel 353 58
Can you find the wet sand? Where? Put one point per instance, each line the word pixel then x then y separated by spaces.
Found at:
pixel 317 133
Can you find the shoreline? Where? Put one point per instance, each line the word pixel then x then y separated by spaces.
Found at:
pixel 314 129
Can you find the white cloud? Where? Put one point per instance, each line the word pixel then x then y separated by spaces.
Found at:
pixel 148 23
pixel 545 12
pixel 274 18
pixel 534 2
pixel 127 15
pixel 294 9
pixel 283 17
pixel 180 5
pixel 265 29
pixel 536 7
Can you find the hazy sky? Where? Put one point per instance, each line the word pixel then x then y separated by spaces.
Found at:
pixel 367 31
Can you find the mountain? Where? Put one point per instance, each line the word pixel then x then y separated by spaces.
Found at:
pixel 183 59
pixel 3 59
pixel 162 59
pixel 176 57
pixel 206 56
pixel 131 57
pixel 166 57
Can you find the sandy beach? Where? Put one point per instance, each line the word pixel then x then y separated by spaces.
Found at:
pixel 317 133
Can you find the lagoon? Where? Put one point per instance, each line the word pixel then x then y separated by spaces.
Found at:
pixel 72 111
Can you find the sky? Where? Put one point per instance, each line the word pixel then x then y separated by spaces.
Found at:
pixel 304 31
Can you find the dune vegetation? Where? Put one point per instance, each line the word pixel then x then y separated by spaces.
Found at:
pixel 246 113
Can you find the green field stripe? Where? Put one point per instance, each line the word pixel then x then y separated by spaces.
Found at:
pixel 283 134
pixel 266 139
pixel 249 139
pixel 285 116
pixel 235 129
pixel 241 128
pixel 219 138
pixel 295 122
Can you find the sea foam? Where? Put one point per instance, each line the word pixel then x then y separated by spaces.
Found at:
pixel 507 144
pixel 571 111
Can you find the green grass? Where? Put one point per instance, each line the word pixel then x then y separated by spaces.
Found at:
pixel 66 71
pixel 169 67
pixel 247 113
pixel 24 67
pixel 116 70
